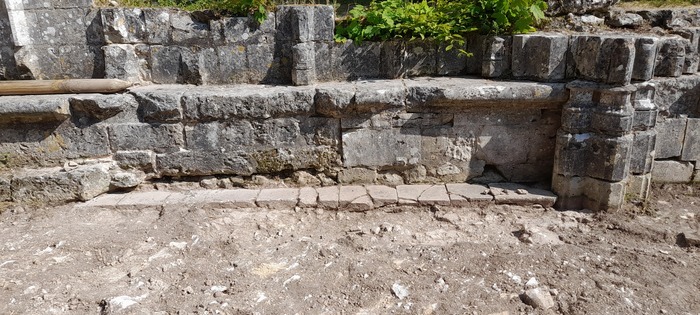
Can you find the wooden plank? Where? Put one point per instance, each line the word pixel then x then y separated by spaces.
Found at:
pixel 68 86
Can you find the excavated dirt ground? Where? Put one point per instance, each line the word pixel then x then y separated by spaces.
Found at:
pixel 401 260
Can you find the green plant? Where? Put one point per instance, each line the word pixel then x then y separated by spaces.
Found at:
pixel 444 20
pixel 257 8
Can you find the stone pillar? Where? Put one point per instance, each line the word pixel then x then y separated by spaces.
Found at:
pixel 308 26
pixel 595 145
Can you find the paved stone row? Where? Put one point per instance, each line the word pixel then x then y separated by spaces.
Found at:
pixel 346 198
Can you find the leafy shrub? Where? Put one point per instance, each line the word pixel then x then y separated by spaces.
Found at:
pixel 257 8
pixel 443 20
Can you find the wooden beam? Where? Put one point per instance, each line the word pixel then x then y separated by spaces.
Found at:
pixel 68 86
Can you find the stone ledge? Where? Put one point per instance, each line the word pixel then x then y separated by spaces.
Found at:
pixel 343 198
pixel 35 109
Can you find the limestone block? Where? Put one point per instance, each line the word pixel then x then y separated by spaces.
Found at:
pixel 692 54
pixel 625 20
pixel 158 29
pixel 463 194
pixel 305 23
pixel 188 31
pixel 328 196
pixel 53 62
pixel 256 102
pixel 124 25
pixel 382 195
pixel 347 61
pixel 235 31
pixel 59 185
pixel 308 197
pixel 278 198
pixel 450 62
pixel 407 59
pixel 643 152
pixel 35 109
pixel 125 180
pixel 304 65
pixel 571 156
pixel 605 59
pixel 268 63
pixel 669 171
pixel 612 122
pixel 99 106
pixel 165 64
pixel 474 44
pixel 569 190
pixel 350 99
pixel 678 96
pixel 354 198
pixel 497 56
pixel 155 106
pixel 691 142
pixel 56 27
pixel 603 195
pixel 381 148
pixel 198 163
pixel 143 160
pixel 540 57
pixel 576 120
pixel 645 58
pixel 671 58
pixel 563 7
pixel 357 175
pixel 638 186
pixel 670 133
pixel 159 138
pixel 610 157
pixel 126 62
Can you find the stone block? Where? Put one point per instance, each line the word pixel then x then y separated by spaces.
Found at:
pixel 188 31
pixel 645 58
pixel 124 25
pixel 98 107
pixel 669 171
pixel 201 163
pixel 123 62
pixel 576 120
pixel 381 148
pixel 643 152
pixel 305 23
pixel 638 186
pixel 308 197
pixel 609 157
pixel 303 65
pixel 691 142
pixel 516 194
pixel 540 57
pixel 670 59
pixel 165 64
pixel 328 196
pixel 35 109
pixel 570 191
pixel 226 65
pixel 382 195
pixel 53 27
pixel 692 56
pixel 670 134
pixel 677 96
pixel 5 187
pixel 234 31
pixel 644 119
pixel 214 103
pixel 159 138
pixel 604 59
pixel 347 61
pixel 474 44
pixel 612 122
pixel 278 198
pixel 563 7
pixel 158 106
pixel 463 194
pixel 408 59
pixel 451 62
pixel 158 29
pixel 357 175
pixel 603 195
pixel 228 198
pixel 572 154
pixel 497 57
pixel 53 62
pixel 268 63
pixel 354 198
pixel 143 160
pixel 58 185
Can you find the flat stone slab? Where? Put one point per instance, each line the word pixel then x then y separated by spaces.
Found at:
pixel 516 194
pixel 423 194
pixel 308 197
pixel 354 198
pixel 464 194
pixel 34 109
pixel 140 200
pixel 408 194
pixel 278 198
pixel 328 196
pixel 233 198
pixel 382 195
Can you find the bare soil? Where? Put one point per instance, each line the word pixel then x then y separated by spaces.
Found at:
pixel 426 260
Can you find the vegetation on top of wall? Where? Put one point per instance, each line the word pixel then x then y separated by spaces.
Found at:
pixel 443 20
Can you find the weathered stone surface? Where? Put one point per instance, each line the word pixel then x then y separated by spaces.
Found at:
pixel 346 99
pixel 540 56
pixel 609 157
pixel 538 298
pixel 99 106
pixel 158 105
pixel 126 62
pixel 159 138
pixel 354 198
pixel 121 180
pixel 308 197
pixel 143 160
pixel 347 61
pixel 625 19
pixel 187 31
pixel 691 142
pixel 464 194
pixel 569 190
pixel 612 121
pixel 48 62
pixel 604 59
pixel 671 58
pixel 382 195
pixel 638 186
pixel 305 23
pixel 643 152
pixel 670 134
pixel 408 59
pixel 243 30
pixel 247 101
pixel 165 64
pixel 645 58
pixel 197 163
pixel 562 7
pixel 378 148
pixel 124 25
pixel 434 195
pixel 357 175
pixel 59 185
pixel 158 29
pixel 463 92
pixel 497 56
pixel 303 64
pixel 603 195
pixel 668 171
pixel 5 187
pixel 328 196
pixel 278 198
pixel 572 154
pixel 38 108
pixel 228 198
pixel 451 62
pixel 516 194
pixel 409 194
pixel 678 96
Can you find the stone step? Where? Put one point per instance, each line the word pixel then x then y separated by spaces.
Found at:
pixel 343 198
